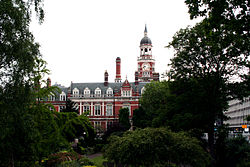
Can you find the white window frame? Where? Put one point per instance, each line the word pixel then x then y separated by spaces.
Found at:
pixel 75 92
pixel 97 111
pixel 86 92
pixel 63 96
pixel 109 92
pixel 109 110
pixel 97 125
pixel 51 97
pixel 86 108
pixel 61 108
pixel 127 93
pixel 127 106
pixel 98 92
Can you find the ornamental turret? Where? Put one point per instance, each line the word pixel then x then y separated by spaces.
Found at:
pixel 146 62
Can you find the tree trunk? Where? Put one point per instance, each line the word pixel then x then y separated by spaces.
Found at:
pixel 211 143
pixel 12 161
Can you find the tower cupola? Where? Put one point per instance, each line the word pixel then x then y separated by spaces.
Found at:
pixel 145 40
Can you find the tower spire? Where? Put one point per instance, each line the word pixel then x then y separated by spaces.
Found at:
pixel 145 31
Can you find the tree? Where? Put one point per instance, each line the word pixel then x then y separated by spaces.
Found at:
pixel 155 146
pixel 234 152
pixel 248 118
pixel 74 126
pixel 215 52
pixel 154 103
pixel 25 137
pixel 49 138
pixel 71 107
pixel 140 120
pixel 124 118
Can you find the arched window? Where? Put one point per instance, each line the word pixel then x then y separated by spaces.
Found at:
pixel 75 92
pixel 109 91
pixel 98 92
pixel 62 96
pixel 51 97
pixel 86 92
pixel 146 50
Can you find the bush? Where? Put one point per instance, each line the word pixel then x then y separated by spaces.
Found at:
pixel 156 147
pixel 85 161
pixel 61 157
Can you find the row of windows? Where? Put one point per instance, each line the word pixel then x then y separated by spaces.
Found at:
pixel 62 97
pixel 97 110
pixel 146 74
pixel 97 91
pixel 240 102
pixel 239 110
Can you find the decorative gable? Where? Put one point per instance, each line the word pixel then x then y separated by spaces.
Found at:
pixel 126 84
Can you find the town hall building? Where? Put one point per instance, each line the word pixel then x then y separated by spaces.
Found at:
pixel 103 100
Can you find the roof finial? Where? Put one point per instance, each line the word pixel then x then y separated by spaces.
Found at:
pixel 145 31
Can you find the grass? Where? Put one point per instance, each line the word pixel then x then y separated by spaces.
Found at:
pixel 98 161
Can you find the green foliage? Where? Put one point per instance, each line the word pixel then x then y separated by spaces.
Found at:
pixel 234 152
pixel 75 126
pixel 140 119
pixel 248 118
pixel 124 118
pixel 154 104
pixel 19 61
pixel 98 161
pixel 215 55
pixel 70 107
pixel 65 158
pixel 169 104
pixel 149 146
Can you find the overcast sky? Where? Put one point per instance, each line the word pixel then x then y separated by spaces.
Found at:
pixel 80 39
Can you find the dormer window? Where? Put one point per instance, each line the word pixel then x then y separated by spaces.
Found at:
pixel 62 96
pixel 75 92
pixel 98 92
pixel 109 92
pixel 86 92
pixel 51 97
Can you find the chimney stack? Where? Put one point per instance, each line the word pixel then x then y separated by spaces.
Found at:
pixel 106 75
pixel 118 70
pixel 48 82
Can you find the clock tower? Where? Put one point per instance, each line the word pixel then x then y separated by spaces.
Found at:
pixel 146 62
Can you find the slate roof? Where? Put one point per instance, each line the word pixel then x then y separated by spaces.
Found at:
pixel 114 85
pixel 146 40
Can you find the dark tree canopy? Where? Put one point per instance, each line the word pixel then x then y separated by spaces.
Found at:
pixel 26 136
pixel 71 107
pixel 215 54
pixel 74 126
pixel 124 118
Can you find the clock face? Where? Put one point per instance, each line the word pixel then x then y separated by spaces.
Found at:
pixel 146 66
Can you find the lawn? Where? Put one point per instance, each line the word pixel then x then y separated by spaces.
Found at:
pixel 98 161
